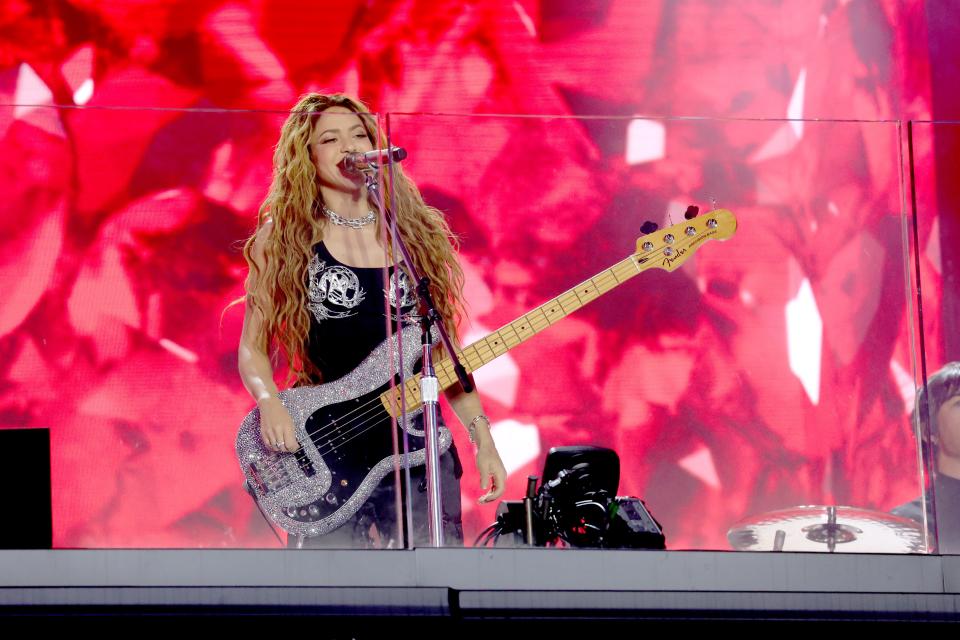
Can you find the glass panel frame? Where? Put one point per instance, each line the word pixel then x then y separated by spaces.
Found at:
pixel 708 437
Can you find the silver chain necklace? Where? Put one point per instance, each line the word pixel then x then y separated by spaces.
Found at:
pixel 353 223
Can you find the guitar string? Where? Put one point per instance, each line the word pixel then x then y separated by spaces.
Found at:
pixel 602 282
pixel 372 404
pixel 366 426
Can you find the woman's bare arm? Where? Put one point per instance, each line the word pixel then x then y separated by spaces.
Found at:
pixel 276 426
pixel 468 407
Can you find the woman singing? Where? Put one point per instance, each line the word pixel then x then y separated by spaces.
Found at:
pixel 316 290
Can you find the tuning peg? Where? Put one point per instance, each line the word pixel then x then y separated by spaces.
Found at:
pixel 692 212
pixel 648 227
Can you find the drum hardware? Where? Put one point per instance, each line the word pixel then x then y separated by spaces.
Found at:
pixel 827 528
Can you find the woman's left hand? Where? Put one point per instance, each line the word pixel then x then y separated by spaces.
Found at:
pixel 492 471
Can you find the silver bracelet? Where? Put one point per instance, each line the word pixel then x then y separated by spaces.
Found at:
pixel 472 427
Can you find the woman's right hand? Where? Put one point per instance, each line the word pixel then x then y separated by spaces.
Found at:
pixel 276 426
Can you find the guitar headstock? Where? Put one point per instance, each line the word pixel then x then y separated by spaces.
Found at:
pixel 671 247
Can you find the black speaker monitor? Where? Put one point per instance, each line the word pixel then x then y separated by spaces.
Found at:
pixel 28 522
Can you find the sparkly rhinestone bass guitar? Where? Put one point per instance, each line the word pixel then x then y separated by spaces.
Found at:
pixel 345 427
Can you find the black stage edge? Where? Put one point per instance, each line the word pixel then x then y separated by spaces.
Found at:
pixel 490 587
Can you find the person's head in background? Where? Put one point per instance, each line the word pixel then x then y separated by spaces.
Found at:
pixel 938 412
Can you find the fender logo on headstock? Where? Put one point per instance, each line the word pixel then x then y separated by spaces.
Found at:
pixel 669 260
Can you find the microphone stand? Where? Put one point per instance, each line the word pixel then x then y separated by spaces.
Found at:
pixel 429 385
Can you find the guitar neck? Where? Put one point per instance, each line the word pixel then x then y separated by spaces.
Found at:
pixel 520 330
pixel 667 249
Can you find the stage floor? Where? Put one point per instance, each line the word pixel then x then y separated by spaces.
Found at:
pixel 485 583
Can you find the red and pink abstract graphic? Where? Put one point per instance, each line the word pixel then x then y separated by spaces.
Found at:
pixel 771 370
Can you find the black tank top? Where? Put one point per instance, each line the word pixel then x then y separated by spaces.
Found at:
pixel 347 311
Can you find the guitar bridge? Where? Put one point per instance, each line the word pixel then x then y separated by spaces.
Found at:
pixel 269 474
pixel 258 483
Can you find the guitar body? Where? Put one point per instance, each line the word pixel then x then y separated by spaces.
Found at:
pixel 346 444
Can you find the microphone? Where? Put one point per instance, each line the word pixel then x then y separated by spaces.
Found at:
pixel 357 162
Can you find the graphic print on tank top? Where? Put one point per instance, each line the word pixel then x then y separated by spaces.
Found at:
pixel 347 308
pixel 335 291
pixel 407 296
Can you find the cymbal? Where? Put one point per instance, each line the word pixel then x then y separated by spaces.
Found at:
pixel 829 529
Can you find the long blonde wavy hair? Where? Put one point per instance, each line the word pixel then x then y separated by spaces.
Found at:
pixel 279 290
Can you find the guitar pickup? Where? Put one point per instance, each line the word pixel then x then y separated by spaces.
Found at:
pixel 306 465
